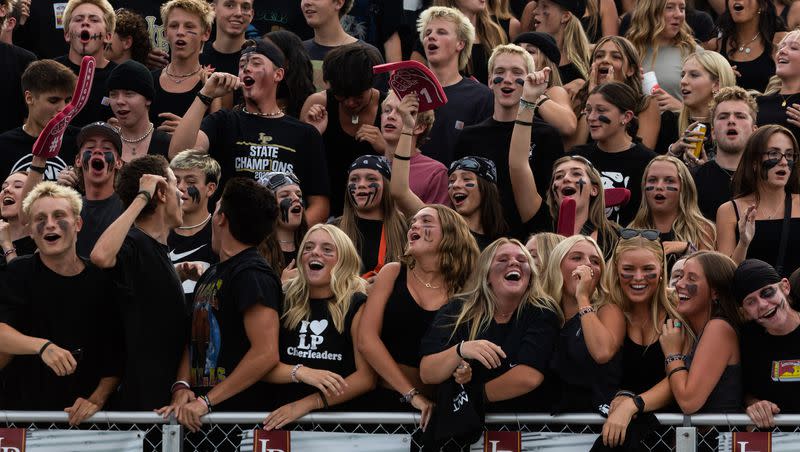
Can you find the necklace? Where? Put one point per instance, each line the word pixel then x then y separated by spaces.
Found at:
pixel 183 228
pixel 285 241
pixel 786 98
pixel 134 141
pixel 774 212
pixel 264 115
pixel 354 118
pixel 179 78
pixel 746 47
pixel 427 285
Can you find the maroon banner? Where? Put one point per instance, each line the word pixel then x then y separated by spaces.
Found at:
pixel 752 442
pixel 12 439
pixel 271 441
pixel 502 442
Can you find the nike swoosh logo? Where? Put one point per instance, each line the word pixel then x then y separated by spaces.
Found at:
pixel 513 365
pixel 176 257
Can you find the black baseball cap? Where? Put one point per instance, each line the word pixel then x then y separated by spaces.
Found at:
pixel 103 129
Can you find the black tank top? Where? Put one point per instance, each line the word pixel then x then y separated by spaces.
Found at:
pixel 766 241
pixel 756 73
pixel 404 323
pixel 341 149
pixel 642 366
pixel 166 102
pixel 726 397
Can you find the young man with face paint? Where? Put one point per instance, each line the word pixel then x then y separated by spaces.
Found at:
pixel 770 344
pixel 150 296
pixel 88 26
pixel 508 66
pixel 259 138
pixel 234 328
pixel 197 174
pixel 733 112
pixel 447 36
pixel 57 305
pixel 47 87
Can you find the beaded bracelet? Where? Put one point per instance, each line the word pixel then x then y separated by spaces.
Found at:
pixel 673 357
pixel 293 373
pixel 585 310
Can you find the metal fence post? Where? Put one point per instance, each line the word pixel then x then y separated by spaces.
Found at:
pixel 172 436
pixel 685 439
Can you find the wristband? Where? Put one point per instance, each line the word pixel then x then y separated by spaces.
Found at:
pixel 527 105
pixel 672 358
pixel 147 196
pixel 409 396
pixel 44 347
pixel 542 99
pixel 37 169
pixel 458 349
pixel 204 399
pixel 178 385
pixel 206 100
pixel 293 373
pixel 524 123
pixel 324 400
pixel 585 310
pixel 10 252
pixel 677 369
pixel 404 158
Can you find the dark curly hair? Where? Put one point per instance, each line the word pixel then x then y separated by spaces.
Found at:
pixel 298 83
pixel 128 180
pixel 769 23
pixel 132 25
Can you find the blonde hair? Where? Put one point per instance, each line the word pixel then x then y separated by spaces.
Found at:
pixel 424 118
pixel 109 18
pixel 545 242
pixel 345 282
pixel 487 31
pixel 663 299
pixel 541 62
pixel 501 9
pixel 458 250
pixel 480 302
pixel 647 22
pixel 512 49
pixel 554 280
pixel 51 189
pixel 775 83
pixel 690 225
pixel 576 45
pixel 200 8
pixel 194 159
pixel 720 71
pixel 464 29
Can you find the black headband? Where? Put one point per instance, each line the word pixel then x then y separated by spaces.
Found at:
pixel 268 49
pixel 278 179
pixel 752 275
pixel 481 166
pixel 373 162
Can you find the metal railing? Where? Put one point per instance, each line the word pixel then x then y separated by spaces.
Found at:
pixel 222 431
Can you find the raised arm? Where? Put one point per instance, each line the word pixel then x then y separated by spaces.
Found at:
pixel 727 225
pixel 188 134
pixel 408 202
pixel 603 329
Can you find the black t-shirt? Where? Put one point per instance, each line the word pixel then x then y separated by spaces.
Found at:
pixel 529 338
pixel 98 108
pixel 167 102
pixel 713 188
pixel 155 320
pixel 24 247
pixel 316 53
pixel 317 344
pixel 15 153
pixel 251 146
pixel 373 21
pixel 192 248
pixel 620 169
pixel 43 33
pixel 76 313
pixel 491 139
pixel 468 103
pixel 218 339
pixel 13 60
pixel 370 242
pixel 569 72
pixel 771 366
pixel 772 111
pixel 97 216
pixel 275 15
pixel 159 144
pixel 221 62
pixel 477 67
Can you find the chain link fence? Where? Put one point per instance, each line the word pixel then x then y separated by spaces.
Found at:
pixel 223 432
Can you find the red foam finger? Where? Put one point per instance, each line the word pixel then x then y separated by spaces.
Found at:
pixel 414 77
pixel 48 144
pixel 617 196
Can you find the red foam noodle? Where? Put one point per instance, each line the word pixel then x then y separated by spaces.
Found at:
pixel 566 217
pixel 617 196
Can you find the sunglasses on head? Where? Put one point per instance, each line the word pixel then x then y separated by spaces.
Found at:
pixel 648 234
pixel 465 164
pixel 276 180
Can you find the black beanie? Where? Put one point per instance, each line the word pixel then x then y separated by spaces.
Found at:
pixel 752 275
pixel 133 76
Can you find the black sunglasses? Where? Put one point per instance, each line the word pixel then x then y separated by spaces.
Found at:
pixel 465 163
pixel 648 234
pixel 276 180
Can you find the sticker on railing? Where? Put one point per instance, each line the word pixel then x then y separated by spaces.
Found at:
pixel 23 440
pixel 502 442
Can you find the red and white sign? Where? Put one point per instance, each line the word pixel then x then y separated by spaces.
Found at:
pixel 414 77
pixel 272 441
pixel 502 442
pixel 12 439
pixel 752 442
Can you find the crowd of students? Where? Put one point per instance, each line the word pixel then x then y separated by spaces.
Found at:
pixel 245 217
